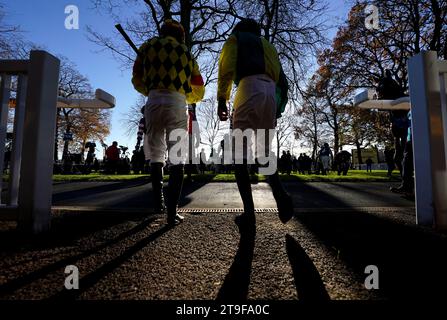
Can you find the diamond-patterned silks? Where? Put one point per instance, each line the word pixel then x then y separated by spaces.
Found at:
pixel 168 65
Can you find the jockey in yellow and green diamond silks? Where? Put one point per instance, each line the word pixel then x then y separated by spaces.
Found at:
pixel 166 72
pixel 168 64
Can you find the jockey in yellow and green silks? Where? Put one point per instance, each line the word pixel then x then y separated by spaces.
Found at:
pixel 245 54
pixel 166 63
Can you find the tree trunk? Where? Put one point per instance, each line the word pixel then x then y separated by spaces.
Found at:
pixel 185 20
pixel 417 30
pixel 166 7
pixel 56 137
pixel 84 141
pixel 359 152
pixel 277 144
pixel 336 133
pixel 67 130
pixel 315 146
pixel 336 141
pixel 66 142
pixel 376 148
pixel 435 43
pixel 65 152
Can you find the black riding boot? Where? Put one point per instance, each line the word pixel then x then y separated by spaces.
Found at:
pixel 174 191
pixel 157 187
pixel 283 199
pixel 247 220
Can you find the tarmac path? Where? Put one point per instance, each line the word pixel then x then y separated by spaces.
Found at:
pixel 124 252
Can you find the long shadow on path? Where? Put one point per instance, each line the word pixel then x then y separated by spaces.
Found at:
pixel 411 262
pixel 68 228
pixel 237 281
pixel 66 231
pixel 135 194
pixel 94 277
pixel 308 282
pixel 97 188
pixel 410 259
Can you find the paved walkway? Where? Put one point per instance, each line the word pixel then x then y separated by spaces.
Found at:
pixel 137 195
pixel 318 255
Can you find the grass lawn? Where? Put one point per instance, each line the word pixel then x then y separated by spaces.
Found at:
pixel 98 177
pixel 353 175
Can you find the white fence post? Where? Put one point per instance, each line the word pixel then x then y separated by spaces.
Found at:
pixel 428 139
pixel 17 140
pixel 441 216
pixel 37 156
pixel 5 91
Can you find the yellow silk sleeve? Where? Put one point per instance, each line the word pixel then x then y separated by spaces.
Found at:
pixel 138 72
pixel 197 86
pixel 227 68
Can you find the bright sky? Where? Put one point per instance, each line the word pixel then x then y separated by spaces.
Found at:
pixel 43 23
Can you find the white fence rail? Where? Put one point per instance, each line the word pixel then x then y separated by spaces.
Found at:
pixel 427 78
pixel 30 174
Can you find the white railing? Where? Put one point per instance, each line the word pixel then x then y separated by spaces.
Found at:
pixel 442 65
pixel 30 174
pixel 428 101
pixel 427 79
pixel 441 203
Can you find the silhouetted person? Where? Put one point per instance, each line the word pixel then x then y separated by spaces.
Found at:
pixel 301 163
pixel 369 163
pixel 137 160
pixel 289 163
pixel 190 167
pixel 389 159
pixel 325 156
pixel 202 161
pixel 133 161
pixel 308 163
pixel 166 72
pixel 112 157
pixel 295 165
pixel 389 89
pixel 213 164
pixel 342 161
pixel 90 153
pixel 96 165
pixel 252 63
pixel 407 185
pixel 283 163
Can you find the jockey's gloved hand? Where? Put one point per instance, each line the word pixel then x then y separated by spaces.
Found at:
pixel 222 109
